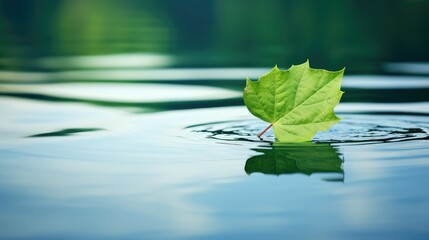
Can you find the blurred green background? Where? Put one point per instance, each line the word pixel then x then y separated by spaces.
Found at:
pixel 361 35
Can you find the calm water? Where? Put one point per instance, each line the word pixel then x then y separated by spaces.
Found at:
pixel 125 120
pixel 173 154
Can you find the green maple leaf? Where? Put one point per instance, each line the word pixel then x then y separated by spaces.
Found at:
pixel 297 102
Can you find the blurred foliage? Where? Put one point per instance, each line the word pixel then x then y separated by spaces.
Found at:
pixel 358 34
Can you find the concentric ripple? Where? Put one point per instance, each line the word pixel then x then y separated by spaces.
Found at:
pixel 352 129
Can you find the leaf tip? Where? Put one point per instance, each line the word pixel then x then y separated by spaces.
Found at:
pixel 248 82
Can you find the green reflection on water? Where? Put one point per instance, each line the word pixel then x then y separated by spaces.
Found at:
pixel 66 132
pixel 306 158
pixel 141 107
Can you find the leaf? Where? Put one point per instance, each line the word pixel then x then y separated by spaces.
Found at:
pixel 307 158
pixel 298 102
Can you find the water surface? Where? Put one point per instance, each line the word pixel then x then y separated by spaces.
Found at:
pixel 97 164
pixel 125 120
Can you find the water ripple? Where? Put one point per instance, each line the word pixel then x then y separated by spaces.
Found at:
pixel 352 129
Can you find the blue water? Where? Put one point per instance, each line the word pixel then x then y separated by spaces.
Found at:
pixel 81 161
pixel 125 120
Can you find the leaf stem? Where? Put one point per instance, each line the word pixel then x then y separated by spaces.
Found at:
pixel 263 131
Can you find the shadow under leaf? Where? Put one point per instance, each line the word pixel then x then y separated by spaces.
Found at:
pixel 306 158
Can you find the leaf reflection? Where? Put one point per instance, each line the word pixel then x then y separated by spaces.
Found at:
pixel 306 158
